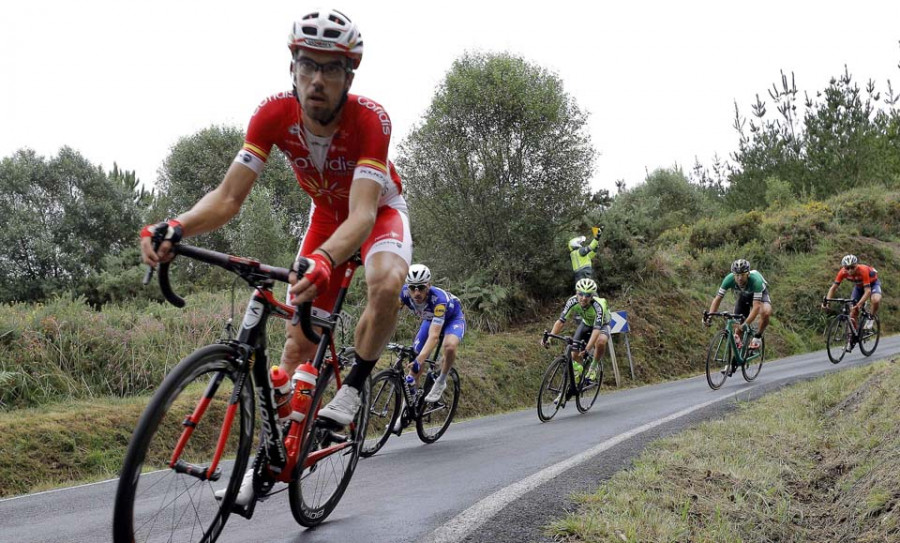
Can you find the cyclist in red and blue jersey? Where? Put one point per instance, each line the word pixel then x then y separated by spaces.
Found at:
pixel 866 285
pixel 443 323
pixel 337 145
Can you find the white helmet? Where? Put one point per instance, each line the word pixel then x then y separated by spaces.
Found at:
pixel 848 261
pixel 329 31
pixel 575 243
pixel 419 274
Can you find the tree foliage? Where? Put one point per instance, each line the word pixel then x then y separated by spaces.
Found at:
pixel 496 171
pixel 59 219
pixel 843 137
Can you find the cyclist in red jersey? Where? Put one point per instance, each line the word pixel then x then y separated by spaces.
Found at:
pixel 866 287
pixel 337 145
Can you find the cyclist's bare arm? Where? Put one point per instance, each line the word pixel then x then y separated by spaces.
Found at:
pixel 867 293
pixel 211 212
pixel 714 305
pixel 754 311
pixel 434 335
pixel 350 235
pixel 831 292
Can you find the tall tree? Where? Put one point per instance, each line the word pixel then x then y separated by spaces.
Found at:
pixel 497 170
pixel 59 219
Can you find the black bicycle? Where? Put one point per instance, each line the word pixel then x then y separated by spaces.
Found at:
pixel 561 383
pixel 842 334
pixel 724 356
pixel 204 413
pixel 394 406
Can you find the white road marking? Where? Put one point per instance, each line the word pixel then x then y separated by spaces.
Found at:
pixel 459 527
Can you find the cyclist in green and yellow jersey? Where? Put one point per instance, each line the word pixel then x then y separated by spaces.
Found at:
pixel 591 315
pixel 752 293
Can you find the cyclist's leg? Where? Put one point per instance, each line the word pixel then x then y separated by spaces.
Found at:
pixel 418 343
pixel 600 346
pixel 742 306
pixel 386 255
pixel 876 296
pixel 297 347
pixel 452 333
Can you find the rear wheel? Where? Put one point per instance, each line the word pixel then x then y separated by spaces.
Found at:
pixel 331 455
pixel 435 417
pixel 554 383
pixel 869 337
pixel 718 360
pixel 156 502
pixel 383 412
pixel 589 385
pixel 836 338
pixel 753 365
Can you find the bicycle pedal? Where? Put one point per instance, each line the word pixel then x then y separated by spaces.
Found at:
pixel 328 424
pixel 246 511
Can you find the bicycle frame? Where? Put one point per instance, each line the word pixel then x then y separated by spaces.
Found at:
pixel 404 355
pixel 571 345
pixel 282 449
pixel 846 306
pixel 738 355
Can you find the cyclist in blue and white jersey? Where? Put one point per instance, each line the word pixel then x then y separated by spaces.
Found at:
pixel 443 323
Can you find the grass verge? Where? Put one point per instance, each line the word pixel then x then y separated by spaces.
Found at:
pixel 819 461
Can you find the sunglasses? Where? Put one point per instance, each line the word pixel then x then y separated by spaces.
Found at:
pixel 586 294
pixel 850 268
pixel 418 287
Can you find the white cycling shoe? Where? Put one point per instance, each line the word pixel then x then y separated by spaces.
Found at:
pixel 436 390
pixel 245 494
pixel 343 407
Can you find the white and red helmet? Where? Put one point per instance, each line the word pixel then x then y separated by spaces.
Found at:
pixel 329 31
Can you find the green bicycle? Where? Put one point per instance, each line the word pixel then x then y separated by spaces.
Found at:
pixel 724 355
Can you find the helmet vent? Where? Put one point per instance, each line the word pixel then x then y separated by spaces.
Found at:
pixel 312 16
pixel 309 30
pixel 337 20
pixel 332 33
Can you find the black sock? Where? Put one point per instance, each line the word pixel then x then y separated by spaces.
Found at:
pixel 359 372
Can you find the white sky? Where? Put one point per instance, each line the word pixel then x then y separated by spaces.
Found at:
pixel 122 81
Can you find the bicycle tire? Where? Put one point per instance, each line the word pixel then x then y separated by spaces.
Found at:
pixel 553 385
pixel 184 501
pixel 753 364
pixel 319 481
pixel 836 338
pixel 866 335
pixel 588 390
pixel 718 360
pixel 384 409
pixel 433 418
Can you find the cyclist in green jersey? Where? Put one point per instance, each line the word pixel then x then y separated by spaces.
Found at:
pixel 752 293
pixel 590 314
pixel 581 255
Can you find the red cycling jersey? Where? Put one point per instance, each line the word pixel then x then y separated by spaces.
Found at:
pixel 358 148
pixel 864 276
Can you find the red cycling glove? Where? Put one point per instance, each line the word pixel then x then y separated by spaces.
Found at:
pixel 174 230
pixel 320 274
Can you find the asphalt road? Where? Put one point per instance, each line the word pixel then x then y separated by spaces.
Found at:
pixel 494 479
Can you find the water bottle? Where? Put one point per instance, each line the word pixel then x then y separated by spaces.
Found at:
pixel 282 386
pixel 304 381
pixel 411 386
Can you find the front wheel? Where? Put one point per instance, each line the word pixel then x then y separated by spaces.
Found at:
pixel 837 337
pixel 328 457
pixel 434 418
pixel 753 364
pixel 555 381
pixel 718 360
pixel 589 385
pixel 383 411
pixel 156 501
pixel 868 337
